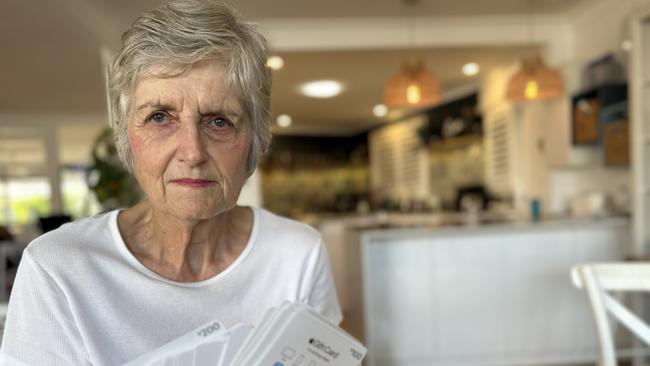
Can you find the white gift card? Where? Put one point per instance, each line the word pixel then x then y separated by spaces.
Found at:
pixel 297 335
pixel 212 332
pixel 263 334
pixel 238 335
pixel 290 335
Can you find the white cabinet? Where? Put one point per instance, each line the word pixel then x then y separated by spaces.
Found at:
pixel 403 279
pixel 483 296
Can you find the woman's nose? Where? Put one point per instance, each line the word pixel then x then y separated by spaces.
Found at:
pixel 191 148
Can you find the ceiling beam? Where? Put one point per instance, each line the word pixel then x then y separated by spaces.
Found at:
pixel 41 121
pixel 289 35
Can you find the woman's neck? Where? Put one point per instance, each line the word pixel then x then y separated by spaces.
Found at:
pixel 185 250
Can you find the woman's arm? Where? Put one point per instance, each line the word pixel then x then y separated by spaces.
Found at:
pixel 40 329
pixel 319 290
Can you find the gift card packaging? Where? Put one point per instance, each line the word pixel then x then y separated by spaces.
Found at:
pixel 290 335
pixel 203 343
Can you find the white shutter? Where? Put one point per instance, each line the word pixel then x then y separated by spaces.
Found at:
pixel 398 160
pixel 498 157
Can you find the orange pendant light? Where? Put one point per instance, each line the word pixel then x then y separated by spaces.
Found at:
pixel 534 81
pixel 413 86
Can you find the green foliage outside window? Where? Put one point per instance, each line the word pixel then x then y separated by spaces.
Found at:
pixel 113 185
pixel 21 211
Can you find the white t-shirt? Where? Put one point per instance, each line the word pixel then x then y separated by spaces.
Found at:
pixel 81 298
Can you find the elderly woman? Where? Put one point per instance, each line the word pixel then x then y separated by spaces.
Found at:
pixel 189 102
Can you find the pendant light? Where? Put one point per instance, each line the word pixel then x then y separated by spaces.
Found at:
pixel 534 80
pixel 414 85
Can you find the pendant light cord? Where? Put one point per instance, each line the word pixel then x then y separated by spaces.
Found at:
pixel 531 22
pixel 410 5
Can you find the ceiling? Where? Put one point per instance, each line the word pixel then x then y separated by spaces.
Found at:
pixel 364 74
pixel 255 9
pixel 51 64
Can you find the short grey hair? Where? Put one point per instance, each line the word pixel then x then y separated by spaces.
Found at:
pixel 181 33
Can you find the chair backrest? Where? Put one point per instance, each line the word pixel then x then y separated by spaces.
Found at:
pixel 597 280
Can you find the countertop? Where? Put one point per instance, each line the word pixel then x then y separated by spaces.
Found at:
pixel 481 227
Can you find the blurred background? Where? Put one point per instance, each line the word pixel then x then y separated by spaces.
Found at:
pixel 459 157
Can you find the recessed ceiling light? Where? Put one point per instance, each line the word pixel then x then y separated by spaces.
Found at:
pixel 284 120
pixel 275 62
pixel 380 110
pixel 471 68
pixel 322 89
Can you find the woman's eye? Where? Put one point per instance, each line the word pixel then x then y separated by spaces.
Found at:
pixel 220 122
pixel 158 118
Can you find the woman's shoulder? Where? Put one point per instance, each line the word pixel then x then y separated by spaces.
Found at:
pixel 285 226
pixel 72 240
pixel 286 231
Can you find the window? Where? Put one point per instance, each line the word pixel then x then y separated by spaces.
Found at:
pixel 23 200
pixel 78 200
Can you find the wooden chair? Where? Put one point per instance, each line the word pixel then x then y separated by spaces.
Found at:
pixel 598 280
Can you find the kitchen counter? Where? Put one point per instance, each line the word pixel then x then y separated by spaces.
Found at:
pixel 446 228
pixel 449 294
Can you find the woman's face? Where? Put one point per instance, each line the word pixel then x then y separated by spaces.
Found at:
pixel 190 141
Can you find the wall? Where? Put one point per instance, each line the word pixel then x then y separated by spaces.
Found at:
pixel 600 28
pixel 547 164
pixel 597 30
pixel 593 38
pixel 251 193
pixel 541 139
pixel 538 141
pixel 567 184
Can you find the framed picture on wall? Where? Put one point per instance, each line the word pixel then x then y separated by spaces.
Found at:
pixel 593 108
pixel 586 122
pixel 617 142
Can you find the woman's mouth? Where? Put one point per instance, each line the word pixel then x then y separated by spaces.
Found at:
pixel 194 183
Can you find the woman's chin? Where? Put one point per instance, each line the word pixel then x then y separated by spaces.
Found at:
pixel 192 211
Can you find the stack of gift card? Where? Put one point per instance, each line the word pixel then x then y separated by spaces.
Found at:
pixel 294 334
pixel 290 335
pixel 211 344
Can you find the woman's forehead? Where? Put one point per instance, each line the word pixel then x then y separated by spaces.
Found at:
pixel 171 68
pixel 203 83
